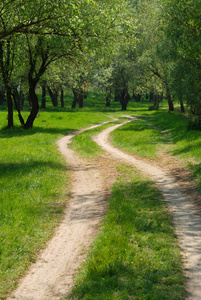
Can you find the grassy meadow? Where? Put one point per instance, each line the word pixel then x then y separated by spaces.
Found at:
pixel 142 256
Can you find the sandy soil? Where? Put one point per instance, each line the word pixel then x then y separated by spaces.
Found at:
pixel 52 276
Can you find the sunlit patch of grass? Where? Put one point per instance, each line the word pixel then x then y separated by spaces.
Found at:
pixel 138 138
pixel 32 199
pixel 34 188
pixel 83 143
pixel 136 255
pixel 185 143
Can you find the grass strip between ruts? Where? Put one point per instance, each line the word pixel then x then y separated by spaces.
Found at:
pixel 136 255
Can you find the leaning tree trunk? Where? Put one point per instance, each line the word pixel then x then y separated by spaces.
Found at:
pixel 17 106
pixel 53 95
pixel 34 107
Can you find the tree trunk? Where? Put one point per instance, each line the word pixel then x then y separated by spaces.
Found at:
pixel 170 102
pixel 78 98
pixel 43 100
pixel 138 97
pixel 6 79
pixel 10 107
pixel 182 105
pixel 81 98
pixel 75 100
pixel 116 96
pixel 124 99
pixel 34 108
pixel 156 101
pixel 16 97
pixel 2 95
pixel 151 97
pixel 108 97
pixel 62 97
pixel 53 95
pixel 108 101
pixel 17 106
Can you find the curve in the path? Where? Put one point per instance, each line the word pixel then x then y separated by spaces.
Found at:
pixel 51 277
pixel 186 218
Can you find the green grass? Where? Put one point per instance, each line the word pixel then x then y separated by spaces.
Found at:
pixel 183 143
pixel 34 187
pixel 84 145
pixel 34 191
pixel 138 138
pixel 136 255
pixel 32 179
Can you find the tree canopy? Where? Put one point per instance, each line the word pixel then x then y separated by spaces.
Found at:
pixel 128 47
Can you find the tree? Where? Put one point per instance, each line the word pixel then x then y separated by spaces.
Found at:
pixel 59 29
pixel 182 29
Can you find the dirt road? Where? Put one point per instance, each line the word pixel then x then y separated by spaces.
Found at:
pixel 51 277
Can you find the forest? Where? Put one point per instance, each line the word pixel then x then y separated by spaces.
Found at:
pixel 131 49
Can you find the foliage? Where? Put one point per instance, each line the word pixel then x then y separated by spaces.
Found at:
pixel 53 30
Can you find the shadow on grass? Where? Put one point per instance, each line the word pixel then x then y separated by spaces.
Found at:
pixel 196 173
pixel 19 131
pixel 23 168
pixel 189 146
pixel 136 255
pixel 176 125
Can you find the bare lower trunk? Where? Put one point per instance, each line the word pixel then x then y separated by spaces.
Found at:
pixel 10 107
pixel 2 95
pixel 78 98
pixel 62 97
pixel 124 99
pixel 53 95
pixel 17 106
pixel 182 106
pixel 34 108
pixel 170 102
pixel 43 100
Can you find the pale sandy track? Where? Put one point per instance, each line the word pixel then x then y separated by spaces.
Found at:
pixel 186 217
pixel 52 276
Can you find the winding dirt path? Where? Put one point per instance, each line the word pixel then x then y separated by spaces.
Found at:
pixel 51 277
pixel 186 216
